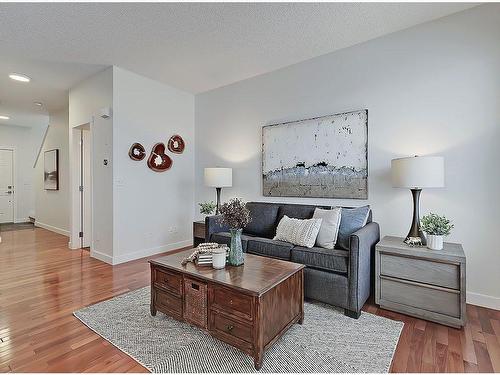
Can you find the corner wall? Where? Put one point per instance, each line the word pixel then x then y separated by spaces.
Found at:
pixel 85 102
pixel 153 212
pixel 52 206
pixel 430 90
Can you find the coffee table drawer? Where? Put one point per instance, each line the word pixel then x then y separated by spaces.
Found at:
pixel 169 280
pixel 425 271
pixel 231 331
pixel 232 302
pixel 169 303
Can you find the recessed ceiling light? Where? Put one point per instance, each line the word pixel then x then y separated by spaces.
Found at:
pixel 3 117
pixel 38 104
pixel 19 77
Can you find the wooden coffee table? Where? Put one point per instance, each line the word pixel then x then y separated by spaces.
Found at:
pixel 248 307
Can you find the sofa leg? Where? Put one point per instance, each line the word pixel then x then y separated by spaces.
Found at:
pixel 352 314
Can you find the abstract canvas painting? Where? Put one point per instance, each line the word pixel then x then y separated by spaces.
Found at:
pixel 51 170
pixel 323 157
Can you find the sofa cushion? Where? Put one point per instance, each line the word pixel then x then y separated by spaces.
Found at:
pixel 296 211
pixel 302 232
pixel 263 216
pixel 269 248
pixel 225 238
pixel 327 235
pixel 318 257
pixel 352 219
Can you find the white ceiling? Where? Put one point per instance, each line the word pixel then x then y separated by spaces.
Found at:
pixel 49 84
pixel 192 46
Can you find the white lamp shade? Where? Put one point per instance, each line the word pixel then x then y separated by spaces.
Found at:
pixel 219 177
pixel 418 172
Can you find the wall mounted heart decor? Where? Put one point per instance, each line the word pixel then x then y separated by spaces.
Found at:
pixel 137 152
pixel 158 160
pixel 176 144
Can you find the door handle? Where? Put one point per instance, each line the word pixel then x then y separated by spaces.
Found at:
pixel 9 192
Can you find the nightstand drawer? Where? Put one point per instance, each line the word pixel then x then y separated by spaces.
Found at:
pixel 437 300
pixel 425 271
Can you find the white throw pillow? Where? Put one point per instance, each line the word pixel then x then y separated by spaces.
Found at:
pixel 298 232
pixel 327 236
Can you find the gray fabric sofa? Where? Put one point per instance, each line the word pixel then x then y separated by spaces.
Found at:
pixel 338 277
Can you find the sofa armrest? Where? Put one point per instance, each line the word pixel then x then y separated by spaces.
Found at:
pixel 362 248
pixel 213 225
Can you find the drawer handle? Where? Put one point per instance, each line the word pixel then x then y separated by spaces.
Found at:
pixel 230 301
pixel 229 328
pixel 195 287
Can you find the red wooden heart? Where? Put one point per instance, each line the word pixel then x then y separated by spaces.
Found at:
pixel 137 152
pixel 176 144
pixel 158 161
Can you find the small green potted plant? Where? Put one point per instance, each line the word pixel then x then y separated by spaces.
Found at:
pixel 436 227
pixel 207 208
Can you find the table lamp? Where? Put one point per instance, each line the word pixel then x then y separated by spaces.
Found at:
pixel 218 178
pixel 416 173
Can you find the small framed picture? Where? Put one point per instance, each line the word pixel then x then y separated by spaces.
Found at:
pixel 51 170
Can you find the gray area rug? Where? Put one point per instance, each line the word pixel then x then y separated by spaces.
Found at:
pixel 328 341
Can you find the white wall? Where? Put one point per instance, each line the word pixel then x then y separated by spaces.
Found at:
pixel 85 102
pixel 431 89
pixel 26 141
pixel 152 211
pixel 52 206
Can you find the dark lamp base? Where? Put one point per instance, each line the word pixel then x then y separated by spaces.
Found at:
pixel 415 236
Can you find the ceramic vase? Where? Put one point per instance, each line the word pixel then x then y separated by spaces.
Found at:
pixel 236 251
pixel 434 242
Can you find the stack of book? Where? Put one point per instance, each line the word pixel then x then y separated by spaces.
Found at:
pixel 204 256
pixel 204 259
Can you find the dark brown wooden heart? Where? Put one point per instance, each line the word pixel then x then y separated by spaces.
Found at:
pixel 176 144
pixel 137 152
pixel 158 161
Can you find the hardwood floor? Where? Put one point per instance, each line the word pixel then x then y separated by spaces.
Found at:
pixel 42 282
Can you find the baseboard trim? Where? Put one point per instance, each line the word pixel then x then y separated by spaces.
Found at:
pixel 101 256
pixel 151 251
pixel 483 300
pixel 52 228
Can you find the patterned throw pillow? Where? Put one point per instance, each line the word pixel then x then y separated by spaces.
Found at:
pixel 298 232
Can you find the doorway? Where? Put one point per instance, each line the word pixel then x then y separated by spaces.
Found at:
pixel 85 186
pixel 7 193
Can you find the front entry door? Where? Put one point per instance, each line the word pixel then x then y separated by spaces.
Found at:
pixel 6 186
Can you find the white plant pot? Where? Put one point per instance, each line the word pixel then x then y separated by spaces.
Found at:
pixel 434 242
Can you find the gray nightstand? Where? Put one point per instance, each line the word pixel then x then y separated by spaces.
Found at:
pixel 428 284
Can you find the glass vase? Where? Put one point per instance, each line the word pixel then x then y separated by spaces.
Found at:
pixel 236 250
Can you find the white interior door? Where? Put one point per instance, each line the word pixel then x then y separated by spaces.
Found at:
pixel 6 186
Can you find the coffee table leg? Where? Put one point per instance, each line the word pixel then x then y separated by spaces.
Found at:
pixel 257 361
pixel 301 319
pixel 152 307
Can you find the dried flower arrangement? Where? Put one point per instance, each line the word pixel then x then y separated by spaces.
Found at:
pixel 235 214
